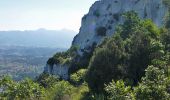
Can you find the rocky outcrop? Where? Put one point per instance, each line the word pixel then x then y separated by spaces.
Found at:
pixel 58 70
pixel 101 21
pixel 105 15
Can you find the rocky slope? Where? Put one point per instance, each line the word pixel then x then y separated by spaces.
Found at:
pixel 105 15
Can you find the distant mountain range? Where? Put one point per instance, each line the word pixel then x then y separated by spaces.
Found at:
pixel 37 38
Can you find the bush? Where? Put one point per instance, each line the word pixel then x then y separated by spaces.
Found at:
pixel 80 93
pixel 101 31
pixel 25 89
pixel 63 57
pixel 104 66
pixel 78 77
pixel 59 91
pixel 47 80
pixel 154 85
pixel 82 62
pixel 118 91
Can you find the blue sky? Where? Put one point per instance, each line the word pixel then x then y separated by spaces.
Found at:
pixel 48 14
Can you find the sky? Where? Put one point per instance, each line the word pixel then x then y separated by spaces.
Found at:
pixel 48 14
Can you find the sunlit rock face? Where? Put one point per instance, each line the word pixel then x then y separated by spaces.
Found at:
pixel 105 15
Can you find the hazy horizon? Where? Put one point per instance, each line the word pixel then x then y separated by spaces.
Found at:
pixel 46 14
pixel 37 38
pixel 43 29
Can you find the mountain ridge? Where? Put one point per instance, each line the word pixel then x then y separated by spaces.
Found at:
pixel 38 38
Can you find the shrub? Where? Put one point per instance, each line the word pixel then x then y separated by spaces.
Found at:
pixel 101 31
pixel 59 91
pixel 63 57
pixel 104 66
pixel 153 86
pixel 82 61
pixel 78 77
pixel 118 91
pixel 47 80
pixel 25 89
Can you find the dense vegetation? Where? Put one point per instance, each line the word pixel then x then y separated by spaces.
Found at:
pixel 131 65
pixel 45 87
pixel 127 54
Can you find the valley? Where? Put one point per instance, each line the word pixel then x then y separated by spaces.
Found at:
pixel 20 62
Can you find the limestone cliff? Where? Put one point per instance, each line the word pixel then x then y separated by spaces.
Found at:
pixel 105 15
pixel 101 21
pixel 57 69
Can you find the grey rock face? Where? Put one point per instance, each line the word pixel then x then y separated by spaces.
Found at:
pixel 106 15
pixel 58 70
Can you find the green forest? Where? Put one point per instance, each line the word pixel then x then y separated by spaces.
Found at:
pixel 133 64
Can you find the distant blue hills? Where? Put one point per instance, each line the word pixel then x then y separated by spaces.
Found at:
pixel 38 38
